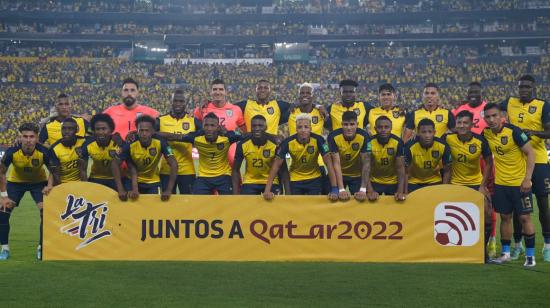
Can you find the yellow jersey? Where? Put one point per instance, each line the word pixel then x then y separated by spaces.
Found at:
pixel 337 109
pixel 51 132
pixel 67 159
pixel 442 118
pixel 465 167
pixel 305 165
pixel 532 116
pixel 349 151
pixel 258 160
pixel 425 164
pixel 510 162
pixel 383 159
pixel 101 158
pixel 183 151
pixel 26 169
pixel 396 116
pixel 317 121
pixel 275 112
pixel 146 159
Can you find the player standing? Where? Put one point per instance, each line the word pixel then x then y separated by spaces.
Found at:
pixel 512 180
pixel 348 94
pixel 387 98
pixel 51 132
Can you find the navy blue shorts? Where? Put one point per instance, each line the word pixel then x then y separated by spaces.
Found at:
pixel 307 187
pixel 413 187
pixel 184 183
pixel 385 189
pixel 509 199
pixel 206 186
pixel 541 179
pixel 149 188
pixel 16 191
pixel 105 182
pixel 352 183
pixel 258 189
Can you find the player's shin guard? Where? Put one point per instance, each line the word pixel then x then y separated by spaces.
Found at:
pixel 529 244
pixel 517 229
pixel 4 227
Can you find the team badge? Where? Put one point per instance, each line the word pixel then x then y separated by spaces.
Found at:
pixel 391 151
pixel 310 149
pixel 532 109
pixel 78 151
pixel 266 153
pixel 439 118
pixel 270 110
pixel 153 151
pixel 113 153
pixel 435 154
pixel 355 146
pixel 472 148
pixel 356 110
pixel 315 119
pixel 229 113
pixel 395 114
pixel 35 162
pixel 185 125
pixel 220 146
pixel 504 140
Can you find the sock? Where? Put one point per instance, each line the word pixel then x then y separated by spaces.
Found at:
pixel 40 241
pixel 529 245
pixel 488 229
pixel 494 222
pixel 518 244
pixel 4 228
pixel 546 236
pixel 505 246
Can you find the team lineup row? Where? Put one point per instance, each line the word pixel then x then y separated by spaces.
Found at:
pixel 436 147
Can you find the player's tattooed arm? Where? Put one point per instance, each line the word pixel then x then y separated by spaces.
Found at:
pixel 134 193
pixel 545 134
pixel 165 195
pixel 401 193
pixel 446 174
pixel 526 185
pixel 334 191
pixel 117 175
pixel 277 163
pixel 83 169
pixel 337 167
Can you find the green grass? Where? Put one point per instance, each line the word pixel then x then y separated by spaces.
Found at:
pixel 26 282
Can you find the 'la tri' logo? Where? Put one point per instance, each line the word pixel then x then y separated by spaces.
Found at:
pixel 85 220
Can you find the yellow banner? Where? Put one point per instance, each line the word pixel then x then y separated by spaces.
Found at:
pixel 86 221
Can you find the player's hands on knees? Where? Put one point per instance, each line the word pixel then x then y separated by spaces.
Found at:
pixel 165 195
pixel 123 195
pixel 526 186
pixel 133 194
pixel 372 195
pixel 46 190
pixel 360 196
pixel 400 196
pixel 268 195
pixel 344 195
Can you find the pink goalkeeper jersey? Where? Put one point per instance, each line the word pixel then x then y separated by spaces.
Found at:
pixel 125 119
pixel 231 116
pixel 479 122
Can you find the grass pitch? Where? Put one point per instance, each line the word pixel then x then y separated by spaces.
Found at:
pixel 26 282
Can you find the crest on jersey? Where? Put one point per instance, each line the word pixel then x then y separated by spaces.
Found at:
pixel 355 146
pixel 439 118
pixel 220 146
pixel 356 110
pixel 185 125
pixel 435 154
pixel 35 162
pixel 315 119
pixel 310 149
pixel 112 153
pixel 532 109
pixel 229 113
pixel 139 114
pixel 153 151
pixel 391 151
pixel 78 151
pixel 270 110
pixel 472 148
pixel 266 153
pixel 504 140
pixel 395 114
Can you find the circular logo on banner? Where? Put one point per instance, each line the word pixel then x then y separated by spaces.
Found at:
pixel 456 224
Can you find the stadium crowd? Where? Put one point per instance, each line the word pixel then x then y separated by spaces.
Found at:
pixel 276 7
